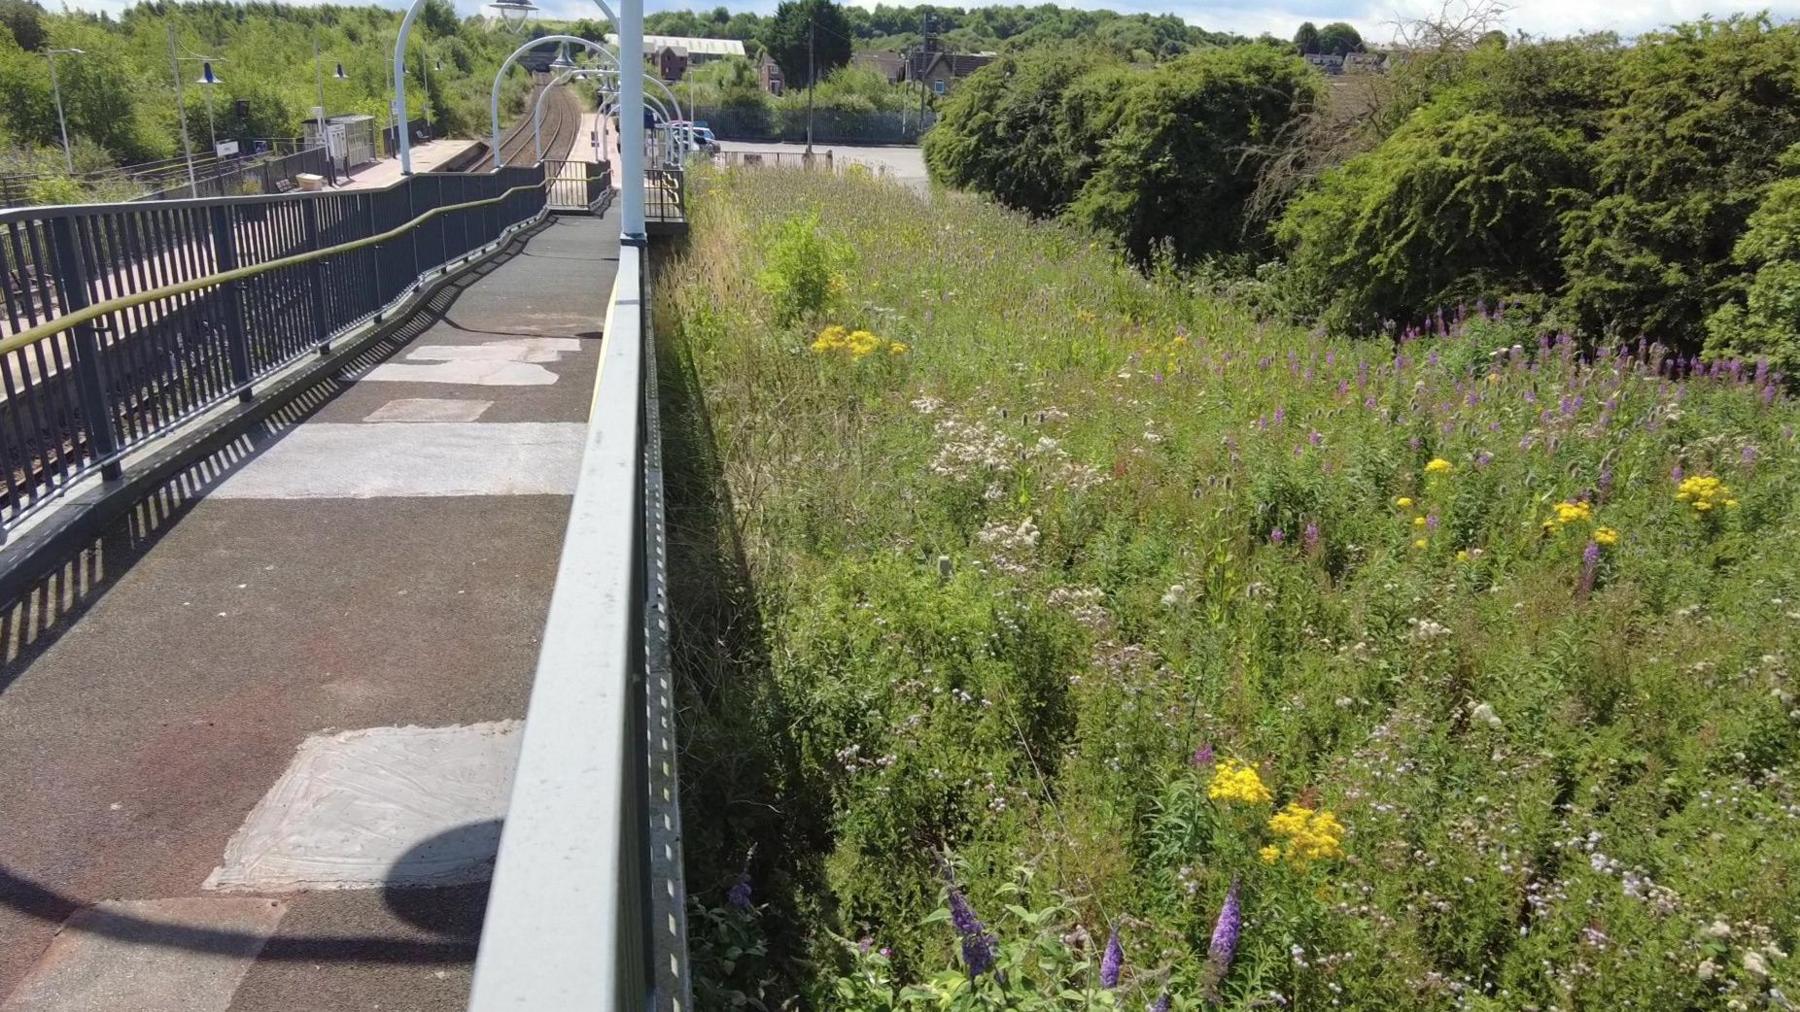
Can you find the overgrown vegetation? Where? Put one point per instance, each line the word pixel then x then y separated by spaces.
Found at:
pixel 1606 189
pixel 1054 636
pixel 119 94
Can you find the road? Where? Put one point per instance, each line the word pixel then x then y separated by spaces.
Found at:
pixel 904 162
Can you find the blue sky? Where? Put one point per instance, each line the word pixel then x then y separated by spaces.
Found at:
pixel 1374 18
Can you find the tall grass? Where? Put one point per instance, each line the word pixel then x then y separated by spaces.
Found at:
pixel 998 612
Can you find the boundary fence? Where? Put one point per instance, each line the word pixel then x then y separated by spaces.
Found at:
pixel 122 321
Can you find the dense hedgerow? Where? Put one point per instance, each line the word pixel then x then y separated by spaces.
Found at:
pixel 1101 647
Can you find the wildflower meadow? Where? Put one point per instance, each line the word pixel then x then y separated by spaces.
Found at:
pixel 1054 636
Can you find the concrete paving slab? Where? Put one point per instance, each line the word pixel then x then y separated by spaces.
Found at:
pixel 171 955
pixel 406 950
pixel 429 409
pixel 384 806
pixel 523 349
pixel 373 460
pixel 476 372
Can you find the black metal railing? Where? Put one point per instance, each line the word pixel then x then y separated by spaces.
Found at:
pixel 576 186
pixel 247 177
pixel 122 321
pixel 665 195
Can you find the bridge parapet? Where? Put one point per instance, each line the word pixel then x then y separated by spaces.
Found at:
pixel 587 907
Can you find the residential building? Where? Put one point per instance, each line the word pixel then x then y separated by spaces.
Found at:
pixel 671 62
pixel 769 73
pixel 941 71
pixel 889 65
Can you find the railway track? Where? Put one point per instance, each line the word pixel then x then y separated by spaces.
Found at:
pixel 561 126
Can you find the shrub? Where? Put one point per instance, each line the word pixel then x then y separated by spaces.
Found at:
pixel 803 269
pixel 1182 160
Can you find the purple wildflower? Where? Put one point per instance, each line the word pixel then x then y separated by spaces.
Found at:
pixel 978 953
pixel 1483 458
pixel 1162 1003
pixel 962 915
pixel 1225 933
pixel 1748 456
pixel 1277 536
pixel 1112 962
pixel 1675 473
pixel 1203 756
pixel 739 895
pixel 1431 521
pixel 1316 437
pixel 1590 568
pixel 1310 537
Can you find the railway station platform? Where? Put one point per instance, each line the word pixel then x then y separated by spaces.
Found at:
pixel 259 735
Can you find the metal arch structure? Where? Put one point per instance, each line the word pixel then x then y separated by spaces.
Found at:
pixel 406 23
pixel 537 109
pixel 591 46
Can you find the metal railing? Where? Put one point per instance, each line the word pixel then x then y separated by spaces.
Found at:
pixel 587 905
pixel 665 195
pixel 123 321
pixel 249 176
pixel 577 186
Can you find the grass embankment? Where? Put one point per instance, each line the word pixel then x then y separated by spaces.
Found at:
pixel 1014 606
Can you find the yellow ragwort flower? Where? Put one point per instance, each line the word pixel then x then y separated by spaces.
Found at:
pixel 1404 502
pixel 1418 521
pixel 1570 513
pixel 1421 543
pixel 1703 492
pixel 898 347
pixel 1439 465
pixel 862 343
pixel 1312 835
pixel 1238 781
pixel 829 340
pixel 1605 536
pixel 1270 854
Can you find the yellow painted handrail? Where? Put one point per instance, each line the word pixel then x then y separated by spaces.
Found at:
pixel 50 328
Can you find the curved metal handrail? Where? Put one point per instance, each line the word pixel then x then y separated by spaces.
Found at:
pixel 88 314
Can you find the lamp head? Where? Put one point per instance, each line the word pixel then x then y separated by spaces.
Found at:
pixel 339 73
pixel 514 13
pixel 206 74
pixel 562 61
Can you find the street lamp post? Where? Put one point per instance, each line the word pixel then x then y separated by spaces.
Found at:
pixel 324 135
pixel 187 146
pixel 208 79
pixel 56 89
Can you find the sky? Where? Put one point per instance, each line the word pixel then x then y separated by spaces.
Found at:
pixel 1373 18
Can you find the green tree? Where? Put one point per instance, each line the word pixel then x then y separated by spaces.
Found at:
pixel 1766 322
pixel 1339 39
pixel 1703 116
pixel 1455 207
pixel 800 24
pixel 1005 130
pixel 1182 159
pixel 25 19
pixel 1307 38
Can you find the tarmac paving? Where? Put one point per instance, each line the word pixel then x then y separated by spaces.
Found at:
pixel 381 567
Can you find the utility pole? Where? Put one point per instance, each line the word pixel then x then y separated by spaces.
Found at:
pixel 187 147
pixel 924 52
pixel 812 79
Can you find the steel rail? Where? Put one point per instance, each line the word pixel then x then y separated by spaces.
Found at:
pixel 68 321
